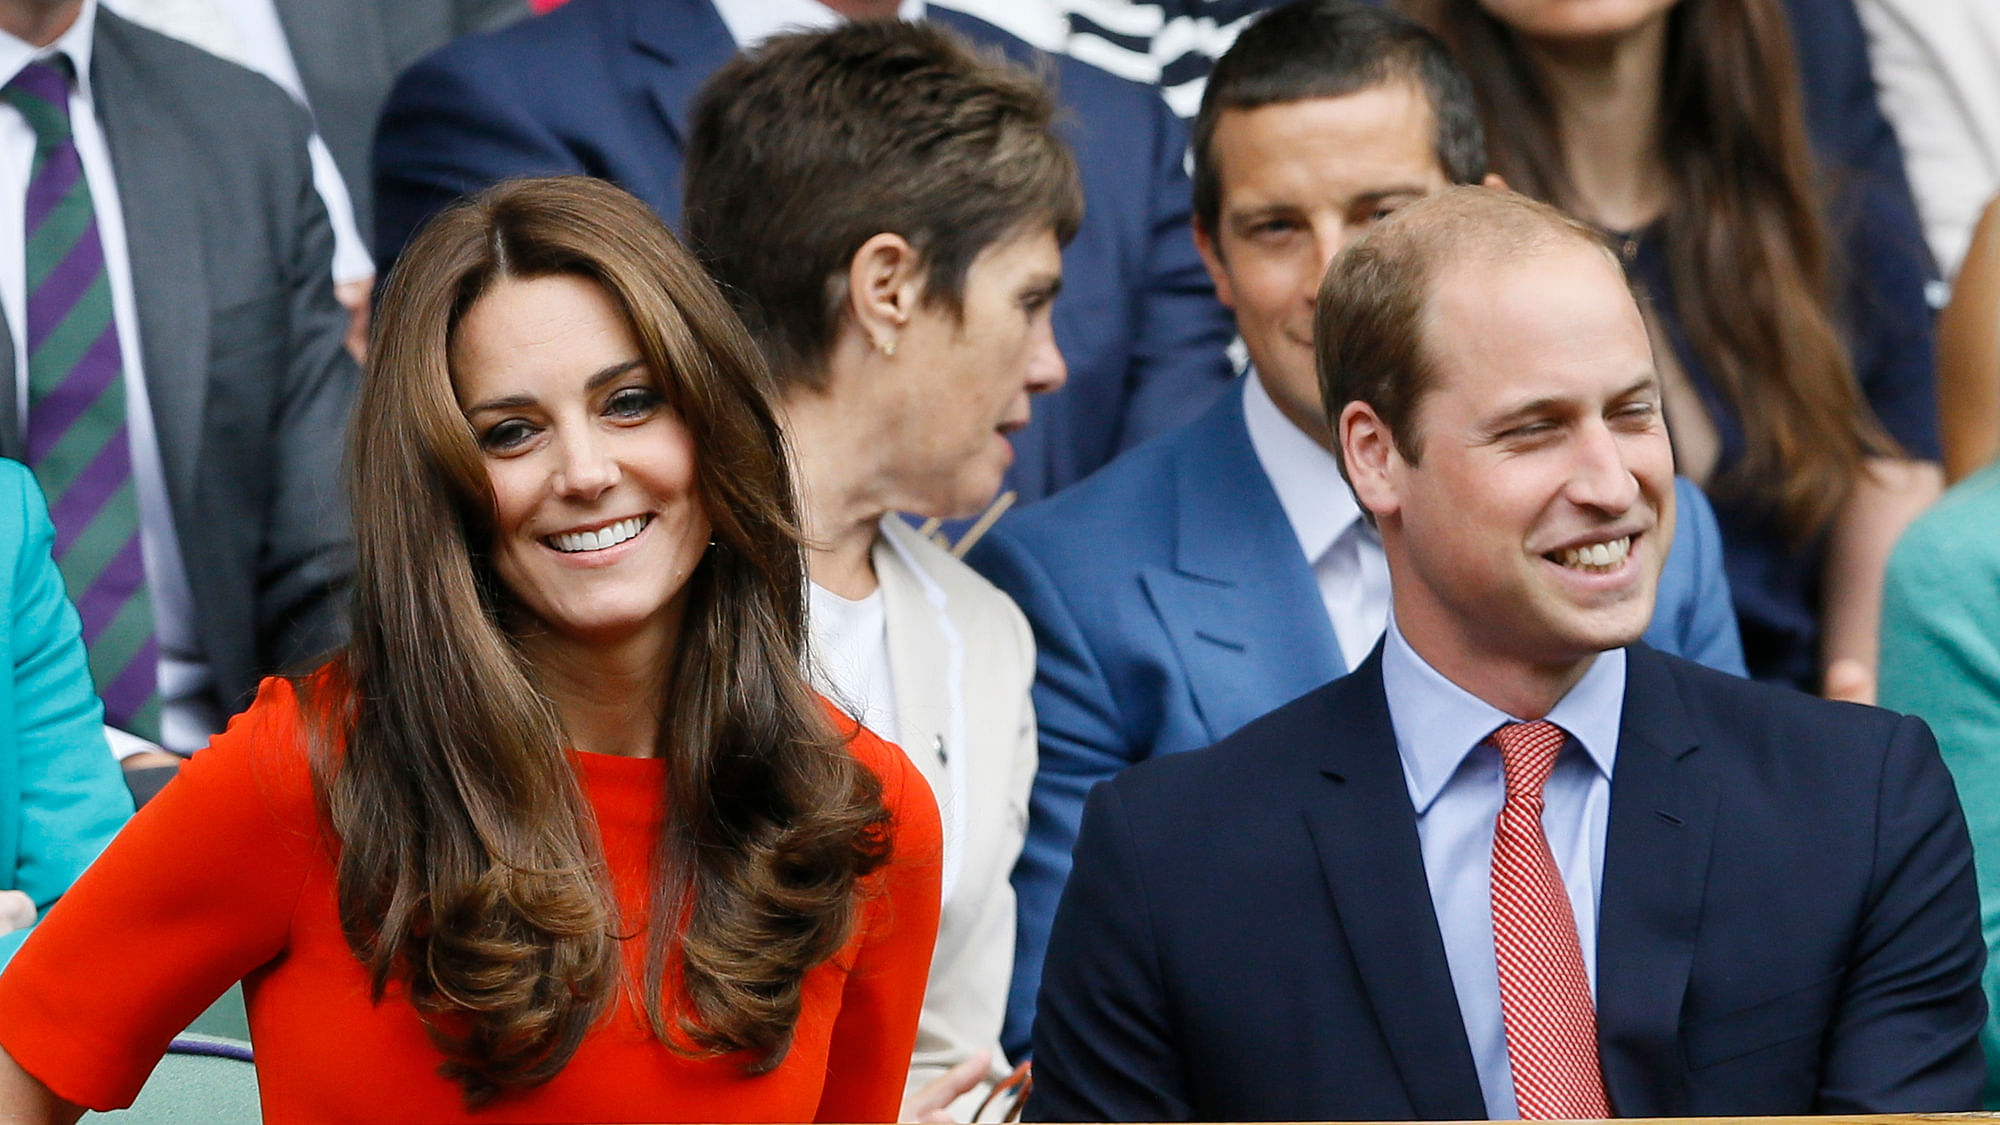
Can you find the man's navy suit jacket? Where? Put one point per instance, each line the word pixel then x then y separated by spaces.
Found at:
pixel 1171 605
pixel 607 88
pixel 1787 923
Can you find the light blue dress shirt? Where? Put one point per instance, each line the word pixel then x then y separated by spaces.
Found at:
pixel 1457 790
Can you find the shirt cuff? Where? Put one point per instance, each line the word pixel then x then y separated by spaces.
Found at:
pixel 125 744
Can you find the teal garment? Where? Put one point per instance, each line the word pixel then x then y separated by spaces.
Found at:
pixel 1941 661
pixel 62 797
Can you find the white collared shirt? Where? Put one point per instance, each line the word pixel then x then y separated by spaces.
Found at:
pixel 750 22
pixel 1457 788
pixel 187 716
pixel 1342 548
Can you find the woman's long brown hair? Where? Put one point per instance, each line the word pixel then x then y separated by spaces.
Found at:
pixel 1751 262
pixel 469 868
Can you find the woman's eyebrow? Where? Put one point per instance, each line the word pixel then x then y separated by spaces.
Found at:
pixel 612 372
pixel 517 401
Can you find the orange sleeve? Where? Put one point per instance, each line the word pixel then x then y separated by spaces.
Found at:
pixel 877 1026
pixel 195 893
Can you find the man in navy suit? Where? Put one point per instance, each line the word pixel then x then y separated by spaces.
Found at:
pixel 1517 863
pixel 1222 571
pixel 604 88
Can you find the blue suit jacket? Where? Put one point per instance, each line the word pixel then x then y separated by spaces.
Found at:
pixel 61 795
pixel 606 87
pixel 1171 605
pixel 1787 925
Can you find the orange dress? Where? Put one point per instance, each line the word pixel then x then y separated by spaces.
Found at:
pixel 227 875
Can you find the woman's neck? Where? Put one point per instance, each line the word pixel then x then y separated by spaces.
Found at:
pixel 1606 94
pixel 833 463
pixel 610 698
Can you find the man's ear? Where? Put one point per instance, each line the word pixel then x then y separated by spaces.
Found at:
pixel 1211 256
pixel 1369 451
pixel 884 284
pixel 1493 180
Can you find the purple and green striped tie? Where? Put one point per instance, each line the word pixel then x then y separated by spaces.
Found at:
pixel 77 440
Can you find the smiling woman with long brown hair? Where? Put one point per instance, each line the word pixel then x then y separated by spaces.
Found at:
pixel 561 833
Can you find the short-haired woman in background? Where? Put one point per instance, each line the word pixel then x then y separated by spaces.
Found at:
pixel 1787 299
pixel 561 834
pixel 886 207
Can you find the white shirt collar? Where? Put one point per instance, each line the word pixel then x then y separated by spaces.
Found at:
pixel 1317 502
pixel 1438 723
pixel 16 54
pixel 750 22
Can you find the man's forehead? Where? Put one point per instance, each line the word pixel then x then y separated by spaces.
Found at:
pixel 1381 137
pixel 1485 276
pixel 1531 321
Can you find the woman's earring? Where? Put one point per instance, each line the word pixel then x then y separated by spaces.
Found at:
pixel 887 349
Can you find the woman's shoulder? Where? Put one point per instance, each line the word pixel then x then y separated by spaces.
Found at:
pixel 15 477
pixel 886 762
pixel 21 501
pixel 953 575
pixel 905 793
pixel 264 756
pixel 970 599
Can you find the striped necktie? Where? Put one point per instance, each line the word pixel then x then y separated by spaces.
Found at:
pixel 1545 1000
pixel 77 440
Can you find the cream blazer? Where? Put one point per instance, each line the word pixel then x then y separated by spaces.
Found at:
pixel 963 662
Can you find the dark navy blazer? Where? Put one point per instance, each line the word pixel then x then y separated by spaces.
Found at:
pixel 1788 921
pixel 606 88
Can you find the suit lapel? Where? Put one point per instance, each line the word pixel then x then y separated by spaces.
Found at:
pixel 1240 604
pixel 162 225
pixel 927 658
pixel 687 42
pixel 1656 849
pixel 1366 833
pixel 918 665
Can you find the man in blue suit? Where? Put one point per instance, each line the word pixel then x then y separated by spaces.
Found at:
pixel 604 87
pixel 1517 864
pixel 1219 572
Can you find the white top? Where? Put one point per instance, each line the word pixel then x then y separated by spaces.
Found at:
pixel 1344 550
pixel 1937 63
pixel 187 719
pixel 248 33
pixel 849 658
pixel 750 22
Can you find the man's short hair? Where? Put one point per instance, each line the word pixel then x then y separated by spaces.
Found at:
pixel 1368 325
pixel 805 148
pixel 1328 49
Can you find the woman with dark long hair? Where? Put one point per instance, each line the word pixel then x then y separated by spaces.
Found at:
pixel 1790 322
pixel 561 834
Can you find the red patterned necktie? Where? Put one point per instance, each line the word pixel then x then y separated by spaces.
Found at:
pixel 1544 995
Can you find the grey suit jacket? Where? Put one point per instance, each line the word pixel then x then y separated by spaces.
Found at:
pixel 349 52
pixel 241 338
